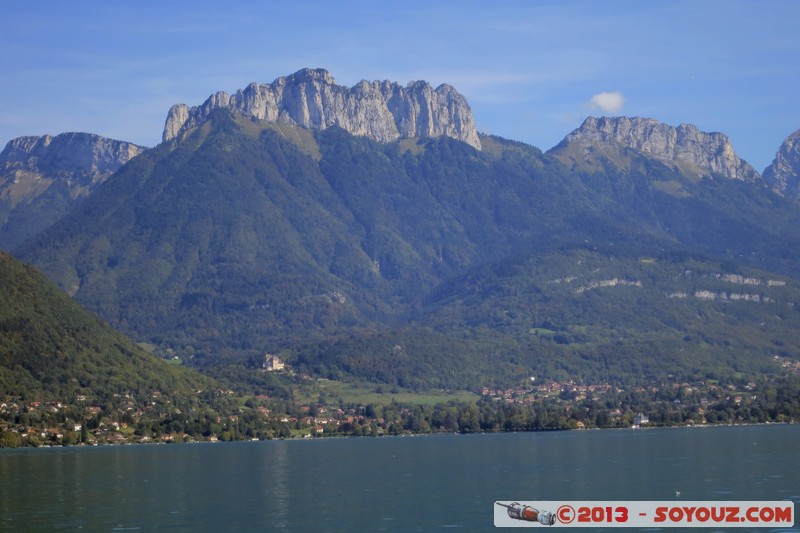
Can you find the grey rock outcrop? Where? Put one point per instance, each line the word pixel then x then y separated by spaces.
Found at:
pixel 783 175
pixel 694 151
pixel 381 110
pixel 41 178
pixel 82 159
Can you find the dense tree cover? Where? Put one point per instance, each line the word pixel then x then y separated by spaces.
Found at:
pixel 579 315
pixel 50 345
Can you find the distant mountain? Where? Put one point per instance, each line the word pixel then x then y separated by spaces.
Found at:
pixel 42 178
pixel 685 148
pixel 52 349
pixel 381 110
pixel 783 175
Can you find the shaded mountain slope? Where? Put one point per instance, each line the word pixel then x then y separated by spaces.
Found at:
pixel 588 313
pixel 187 234
pixel 426 262
pixel 288 240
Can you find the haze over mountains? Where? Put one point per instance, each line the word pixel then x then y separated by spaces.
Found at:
pixel 371 233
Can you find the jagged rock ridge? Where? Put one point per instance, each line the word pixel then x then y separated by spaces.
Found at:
pixel 80 159
pixel 381 110
pixel 705 154
pixel 40 177
pixel 783 175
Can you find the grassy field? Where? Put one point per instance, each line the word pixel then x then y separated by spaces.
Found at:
pixel 327 391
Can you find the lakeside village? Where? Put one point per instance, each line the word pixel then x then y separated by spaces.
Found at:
pixel 221 415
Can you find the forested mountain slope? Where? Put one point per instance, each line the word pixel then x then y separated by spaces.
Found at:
pixel 428 262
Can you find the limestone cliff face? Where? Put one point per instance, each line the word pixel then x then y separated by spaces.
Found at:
pixel 704 154
pixel 381 110
pixel 783 175
pixel 79 159
pixel 41 178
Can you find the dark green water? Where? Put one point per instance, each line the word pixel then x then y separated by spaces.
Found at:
pixel 430 483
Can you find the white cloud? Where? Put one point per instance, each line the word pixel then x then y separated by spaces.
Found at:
pixel 608 102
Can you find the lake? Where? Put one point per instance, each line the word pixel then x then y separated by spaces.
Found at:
pixel 425 483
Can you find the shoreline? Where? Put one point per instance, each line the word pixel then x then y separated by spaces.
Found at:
pixel 401 435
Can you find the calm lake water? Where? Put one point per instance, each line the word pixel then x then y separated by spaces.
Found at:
pixel 429 483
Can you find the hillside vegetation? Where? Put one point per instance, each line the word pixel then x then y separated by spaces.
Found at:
pixel 429 264
pixel 52 349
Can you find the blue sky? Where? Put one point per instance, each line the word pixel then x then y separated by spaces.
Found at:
pixel 532 71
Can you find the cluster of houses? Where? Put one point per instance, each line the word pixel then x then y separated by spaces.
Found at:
pixel 81 422
pixel 530 394
pixel 789 366
pixel 695 397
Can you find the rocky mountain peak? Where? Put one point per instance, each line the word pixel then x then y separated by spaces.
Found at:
pixel 783 175
pixel 705 154
pixel 41 177
pixel 83 158
pixel 381 110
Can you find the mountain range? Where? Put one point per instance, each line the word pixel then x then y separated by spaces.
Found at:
pixel 372 233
